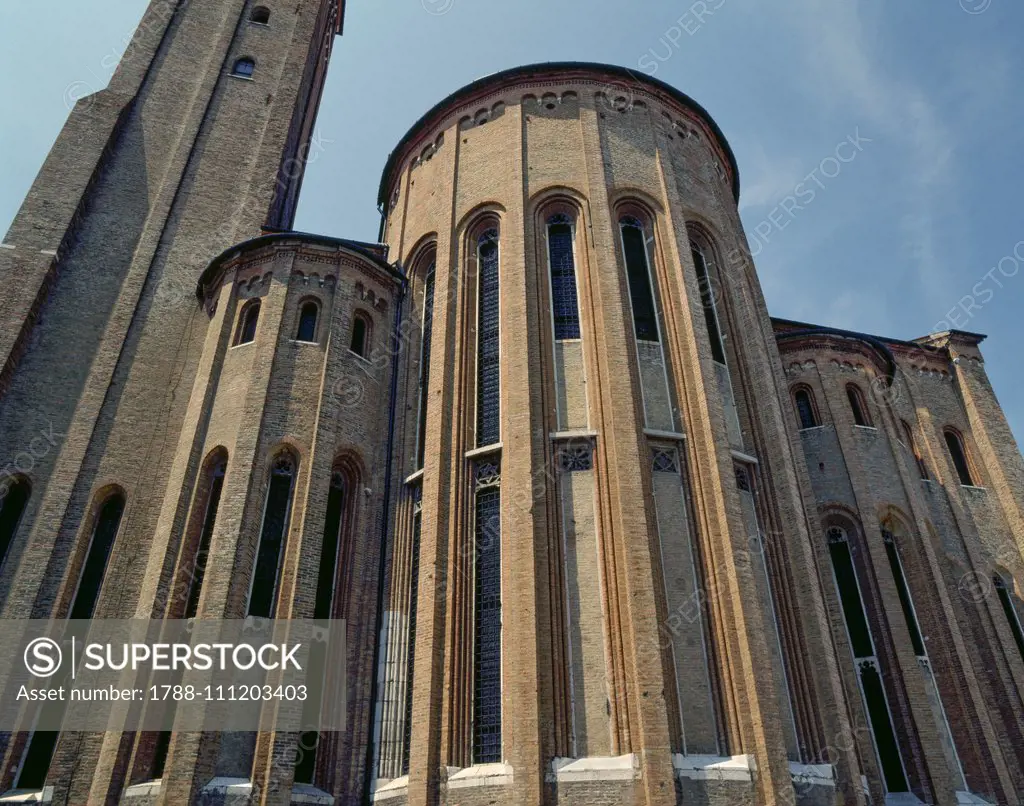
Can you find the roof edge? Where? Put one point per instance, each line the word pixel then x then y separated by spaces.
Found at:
pixel 437 110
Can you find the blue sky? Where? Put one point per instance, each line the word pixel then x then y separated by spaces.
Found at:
pixel 918 227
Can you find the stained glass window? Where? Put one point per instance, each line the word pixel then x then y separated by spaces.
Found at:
pixel 487 627
pixel 564 301
pixel 488 389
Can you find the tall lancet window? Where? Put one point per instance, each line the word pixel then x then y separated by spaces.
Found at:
pixel 869 674
pixel 327 578
pixel 427 328
pixel 13 500
pixel 414 590
pixel 487 613
pixel 488 382
pixel 638 275
pixel 917 643
pixel 195 588
pixel 707 300
pixel 1012 619
pixel 36 761
pixel 565 308
pixel 275 526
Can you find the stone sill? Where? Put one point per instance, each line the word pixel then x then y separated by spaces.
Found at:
pixel 812 774
pixel 27 795
pixel 673 435
pixel 593 768
pixel 414 476
pixel 484 451
pixel 871 428
pixel 143 790
pixel 714 768
pixel 821 427
pixel 974 488
pixel 394 788
pixel 497 774
pixel 228 786
pixel 309 794
pixel 970 799
pixel 902 799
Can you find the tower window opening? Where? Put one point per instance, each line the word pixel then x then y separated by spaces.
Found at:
pixel 247 322
pixel 955 444
pixel 244 68
pixel 857 405
pixel 641 295
pixel 260 15
pixel 307 321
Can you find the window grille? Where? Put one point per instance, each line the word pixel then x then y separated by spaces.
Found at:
pixel 575 457
pixel 487 625
pixel 564 301
pixel 664 460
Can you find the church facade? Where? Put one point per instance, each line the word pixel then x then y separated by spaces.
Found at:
pixel 601 530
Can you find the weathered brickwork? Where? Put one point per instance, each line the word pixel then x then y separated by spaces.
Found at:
pixel 655 613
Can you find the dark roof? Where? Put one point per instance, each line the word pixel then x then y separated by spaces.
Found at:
pixel 788 326
pixel 370 251
pixel 437 111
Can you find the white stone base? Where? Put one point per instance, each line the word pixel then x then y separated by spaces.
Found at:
pixel 593 768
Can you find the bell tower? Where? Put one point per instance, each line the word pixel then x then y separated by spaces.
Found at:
pixel 199 142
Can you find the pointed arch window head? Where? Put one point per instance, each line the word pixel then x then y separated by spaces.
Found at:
pixel 260 15
pixel 638 276
pixel 857 405
pixel 244 68
pixel 215 482
pixel 360 336
pixel 806 411
pixel 955 445
pixel 308 314
pixel 565 308
pixel 13 500
pixel 108 521
pixel 247 321
pixel 276 514
pixel 488 383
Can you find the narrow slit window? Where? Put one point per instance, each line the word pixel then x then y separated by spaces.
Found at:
pixel 805 409
pixel 908 433
pixel 358 342
pixel 428 326
pixel 1012 618
pixel 857 405
pixel 707 299
pixel 955 444
pixel 562 262
pixel 244 68
pixel 487 616
pixel 247 322
pixel 12 507
pixel 260 15
pixel 488 382
pixel 641 295
pixel 307 321
pixel 272 535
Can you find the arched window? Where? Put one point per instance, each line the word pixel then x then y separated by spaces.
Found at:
pixel 247 320
pixel 488 385
pixel 359 340
pixel 955 444
pixel 1012 618
pixel 327 581
pixel 866 662
pixel 260 15
pixel 638 276
pixel 307 321
pixel 426 328
pixel 487 613
pixel 857 405
pixel 805 410
pixel 215 485
pixel 12 506
pixel 562 266
pixel 39 752
pixel 707 299
pixel 272 535
pixel 908 434
pixel 244 68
